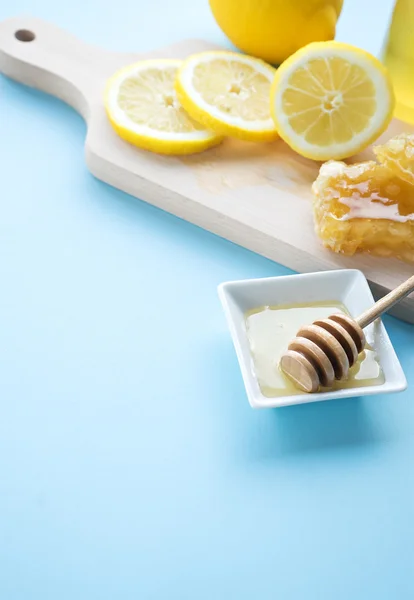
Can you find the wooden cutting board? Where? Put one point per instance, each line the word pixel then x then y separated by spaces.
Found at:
pixel 256 195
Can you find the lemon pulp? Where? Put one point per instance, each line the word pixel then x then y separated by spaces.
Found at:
pixel 229 93
pixel 143 108
pixel 331 100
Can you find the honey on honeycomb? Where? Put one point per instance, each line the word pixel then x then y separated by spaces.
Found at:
pixel 367 207
pixel 398 156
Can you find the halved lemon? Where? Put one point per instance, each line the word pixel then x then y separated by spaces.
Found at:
pixel 229 93
pixel 143 108
pixel 330 100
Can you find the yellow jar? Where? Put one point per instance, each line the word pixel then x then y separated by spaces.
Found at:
pixel 399 58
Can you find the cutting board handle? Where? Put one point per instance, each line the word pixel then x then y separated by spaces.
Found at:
pixel 37 53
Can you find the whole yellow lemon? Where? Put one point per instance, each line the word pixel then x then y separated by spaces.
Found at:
pixel 275 29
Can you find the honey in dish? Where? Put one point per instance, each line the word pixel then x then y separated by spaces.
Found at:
pixel 270 329
pixel 369 206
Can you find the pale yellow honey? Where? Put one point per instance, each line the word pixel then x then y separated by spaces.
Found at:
pixel 270 329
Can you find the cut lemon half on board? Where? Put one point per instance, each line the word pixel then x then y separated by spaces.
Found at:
pixel 143 108
pixel 330 100
pixel 229 93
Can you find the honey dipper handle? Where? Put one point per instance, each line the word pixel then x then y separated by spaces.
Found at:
pixel 386 303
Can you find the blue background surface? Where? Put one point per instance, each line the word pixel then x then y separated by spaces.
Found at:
pixel 131 465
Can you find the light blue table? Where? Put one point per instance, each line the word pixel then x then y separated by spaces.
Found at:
pixel 131 465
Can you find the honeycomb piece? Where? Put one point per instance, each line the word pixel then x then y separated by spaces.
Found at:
pixel 364 208
pixel 398 155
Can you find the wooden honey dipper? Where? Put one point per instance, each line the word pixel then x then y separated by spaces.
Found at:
pixel 325 350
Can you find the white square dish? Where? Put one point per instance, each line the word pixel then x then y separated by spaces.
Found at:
pixel 348 286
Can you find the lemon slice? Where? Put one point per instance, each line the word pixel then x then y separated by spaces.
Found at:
pixel 229 93
pixel 143 108
pixel 330 100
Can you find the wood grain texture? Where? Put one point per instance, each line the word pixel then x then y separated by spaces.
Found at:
pixel 255 195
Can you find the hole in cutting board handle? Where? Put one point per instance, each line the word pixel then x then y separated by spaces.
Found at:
pixel 24 35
